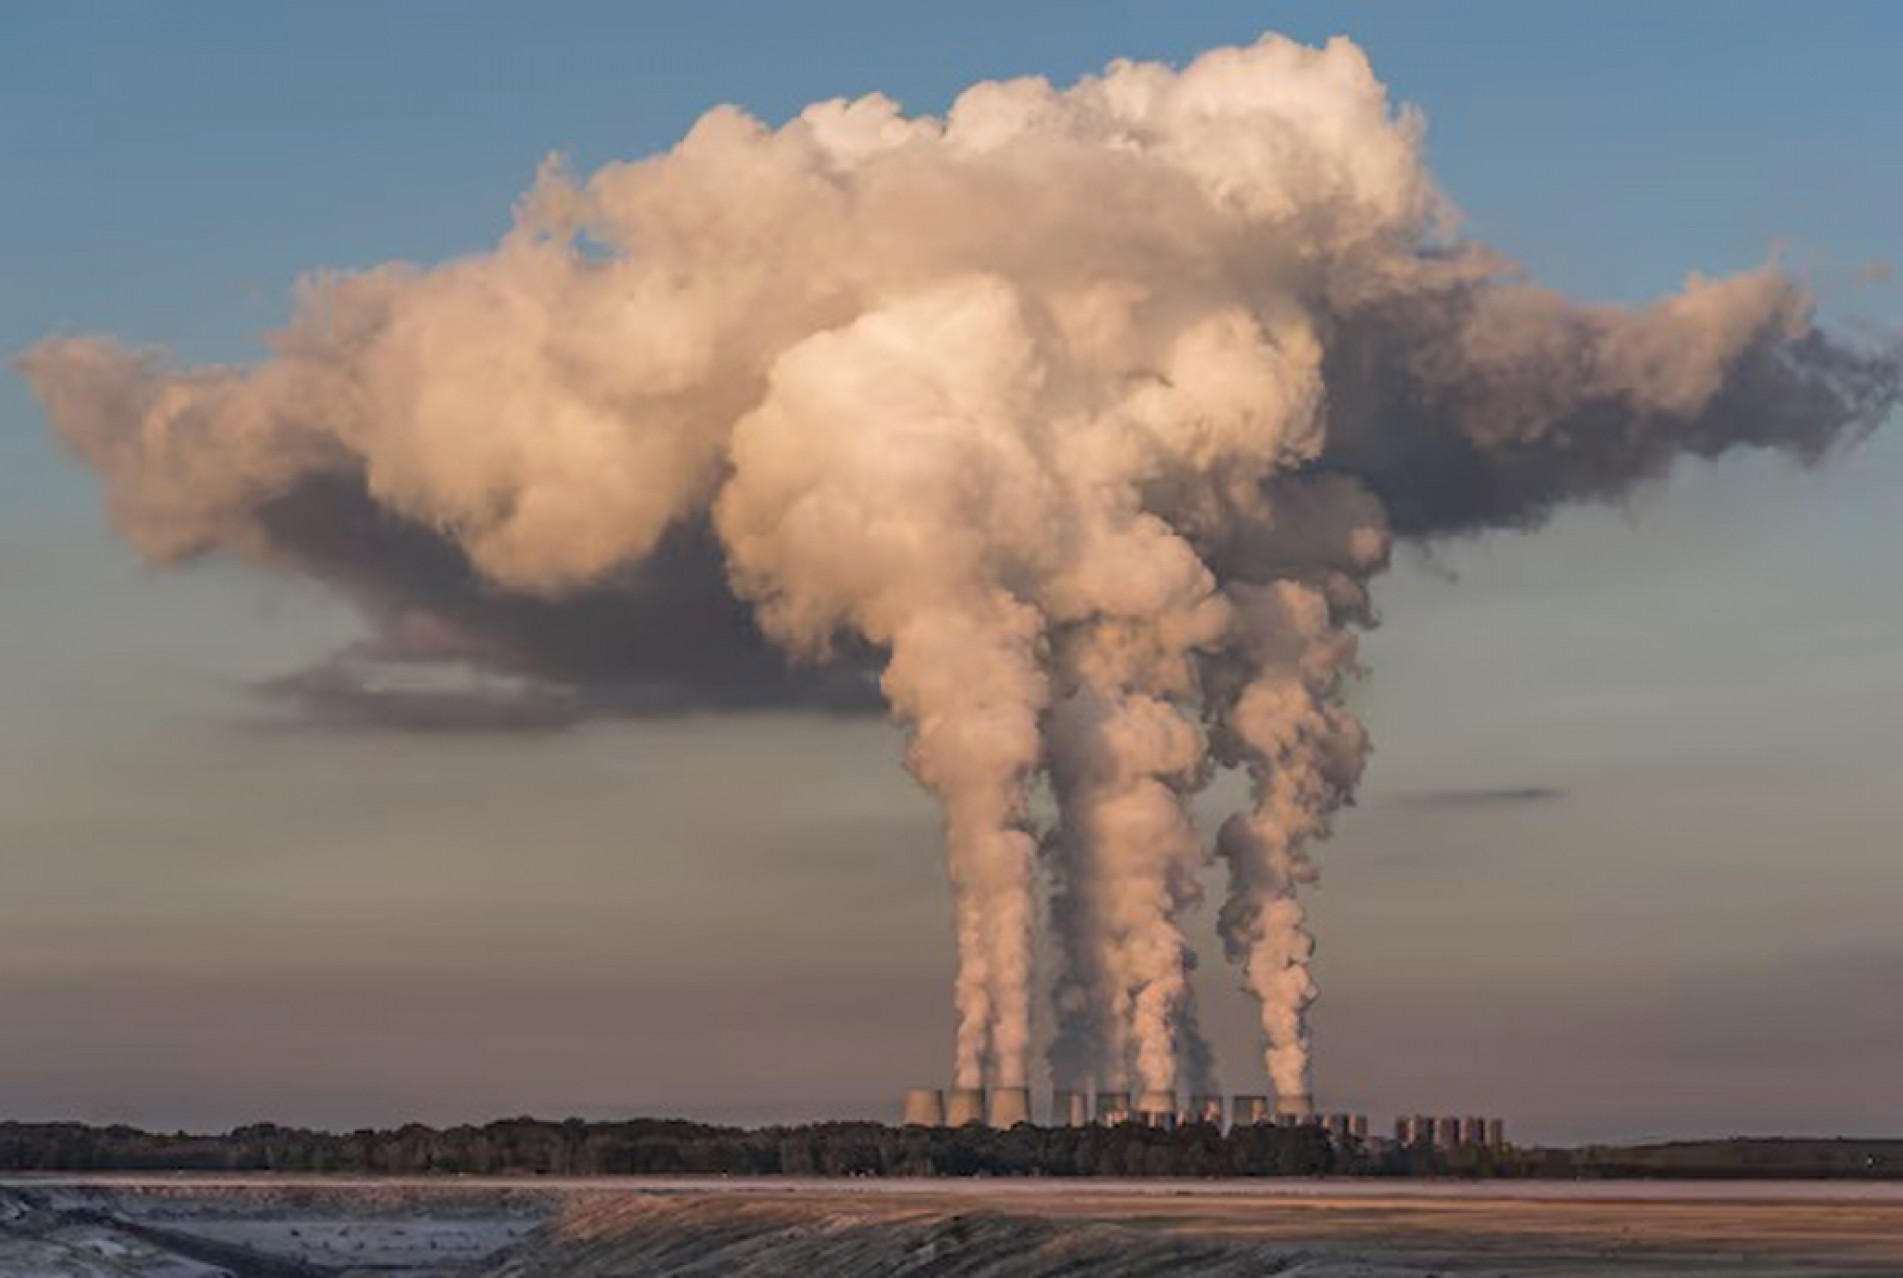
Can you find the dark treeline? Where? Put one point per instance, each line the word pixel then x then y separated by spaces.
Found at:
pixel 670 1147
pixel 665 1147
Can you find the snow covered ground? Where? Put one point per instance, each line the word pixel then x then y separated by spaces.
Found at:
pixel 317 1227
pixel 257 1227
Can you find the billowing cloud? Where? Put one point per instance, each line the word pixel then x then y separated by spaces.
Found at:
pixel 1081 419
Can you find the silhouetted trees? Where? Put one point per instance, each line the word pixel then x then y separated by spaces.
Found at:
pixel 665 1147
pixel 669 1147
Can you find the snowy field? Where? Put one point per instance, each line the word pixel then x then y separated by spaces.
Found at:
pixel 164 1226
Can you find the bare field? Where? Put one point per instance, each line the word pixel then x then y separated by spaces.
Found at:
pixel 313 1227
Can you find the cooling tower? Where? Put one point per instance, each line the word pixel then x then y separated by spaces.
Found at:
pixel 1010 1106
pixel 1339 1125
pixel 1359 1127
pixel 1205 1108
pixel 967 1106
pixel 1157 1109
pixel 1496 1134
pixel 1245 1109
pixel 925 1107
pixel 1069 1108
pixel 1294 1109
pixel 1473 1131
pixel 1447 1132
pixel 1113 1107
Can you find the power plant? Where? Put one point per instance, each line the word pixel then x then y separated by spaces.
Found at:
pixel 1006 1107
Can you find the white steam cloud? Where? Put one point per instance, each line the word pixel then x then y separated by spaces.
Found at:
pixel 1085 415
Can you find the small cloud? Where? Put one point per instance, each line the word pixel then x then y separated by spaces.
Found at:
pixel 348 695
pixel 431 687
pixel 1478 797
pixel 1877 272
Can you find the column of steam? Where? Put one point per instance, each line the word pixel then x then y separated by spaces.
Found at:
pixel 1135 605
pixel 883 486
pixel 970 690
pixel 1120 760
pixel 1304 754
pixel 1089 1043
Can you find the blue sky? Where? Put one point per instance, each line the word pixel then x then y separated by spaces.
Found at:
pixel 207 918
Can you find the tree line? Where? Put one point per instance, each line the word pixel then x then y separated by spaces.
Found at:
pixel 530 1147
pixel 673 1147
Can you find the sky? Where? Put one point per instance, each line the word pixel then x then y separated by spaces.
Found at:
pixel 1628 856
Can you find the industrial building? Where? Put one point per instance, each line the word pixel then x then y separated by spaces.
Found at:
pixel 1425 1131
pixel 1006 1107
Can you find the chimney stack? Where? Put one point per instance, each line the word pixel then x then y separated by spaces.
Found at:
pixel 925 1107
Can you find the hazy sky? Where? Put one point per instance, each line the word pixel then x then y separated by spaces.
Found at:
pixel 1630 854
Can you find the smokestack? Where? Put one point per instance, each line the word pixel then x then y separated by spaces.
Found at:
pixel 1069 1108
pixel 1010 1106
pixel 924 1107
pixel 1204 1108
pixel 1113 1107
pixel 1246 1109
pixel 967 1106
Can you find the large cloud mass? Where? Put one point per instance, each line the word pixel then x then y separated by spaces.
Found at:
pixel 1075 423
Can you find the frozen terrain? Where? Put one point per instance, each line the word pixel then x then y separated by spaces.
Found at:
pixel 259 1227
pixel 307 1227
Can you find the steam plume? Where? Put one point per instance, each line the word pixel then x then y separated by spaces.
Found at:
pixel 1083 415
